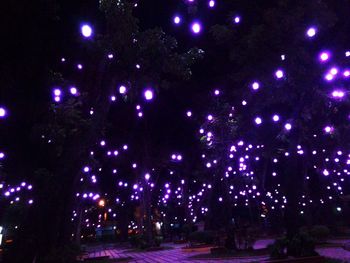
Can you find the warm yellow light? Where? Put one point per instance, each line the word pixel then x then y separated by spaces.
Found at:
pixel 101 202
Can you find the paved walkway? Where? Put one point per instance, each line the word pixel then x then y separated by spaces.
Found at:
pixel 179 256
pixel 164 256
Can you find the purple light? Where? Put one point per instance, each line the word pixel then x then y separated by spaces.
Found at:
pixel 255 85
pixel 196 27
pixel 216 92
pixel 210 117
pixel 122 89
pixel 237 19
pixel 177 20
pixel 110 56
pixel 311 32
pixel 346 73
pixel 276 118
pixel 189 113
pixel 324 56
pixel 347 54
pixel 86 169
pixel 147 176
pixel 86 31
pixel 102 143
pixel 80 66
pixel 179 157
pixel 113 98
pixel 334 71
pixel 211 3
pixel 258 120
pixel 2 112
pixel 148 94
pixel 73 90
pixel 288 126
pixel 115 153
pixel 57 92
pixel 328 129
pixel 2 155
pixel 57 99
pixel 279 74
pixel 329 77
pixel 338 94
pixel 325 172
pixel 173 156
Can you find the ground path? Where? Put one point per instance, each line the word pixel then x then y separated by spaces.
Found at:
pixel 179 256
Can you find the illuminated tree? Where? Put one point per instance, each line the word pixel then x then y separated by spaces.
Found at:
pixel 277 137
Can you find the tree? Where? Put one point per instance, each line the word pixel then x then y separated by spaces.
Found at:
pixel 121 56
pixel 279 122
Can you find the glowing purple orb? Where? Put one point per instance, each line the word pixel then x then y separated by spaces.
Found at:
pixel 2 155
pixel 148 94
pixel 275 118
pixel 189 113
pixel 2 112
pixel 122 89
pixel 311 32
pixel 279 74
pixel 210 117
pixel 57 99
pixel 329 77
pixel 255 85
pixel 328 129
pixel 237 19
pixel 177 20
pixel 334 71
pixel 346 73
pixel 147 176
pixel 258 120
pixel 57 92
pixel 211 3
pixel 217 92
pixel 196 27
pixel 288 126
pixel 338 94
pixel 324 56
pixel 73 90
pixel 86 31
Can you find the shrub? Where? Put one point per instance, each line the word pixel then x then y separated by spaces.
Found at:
pixel 67 254
pixel 320 233
pixel 202 237
pixel 158 240
pixel 278 250
pixel 138 241
pixel 302 245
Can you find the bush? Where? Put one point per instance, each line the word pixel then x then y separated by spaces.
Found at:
pixel 138 241
pixel 302 245
pixel 202 237
pixel 67 254
pixel 278 250
pixel 158 240
pixel 320 233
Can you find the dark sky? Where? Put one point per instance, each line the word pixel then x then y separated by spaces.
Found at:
pixel 36 33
